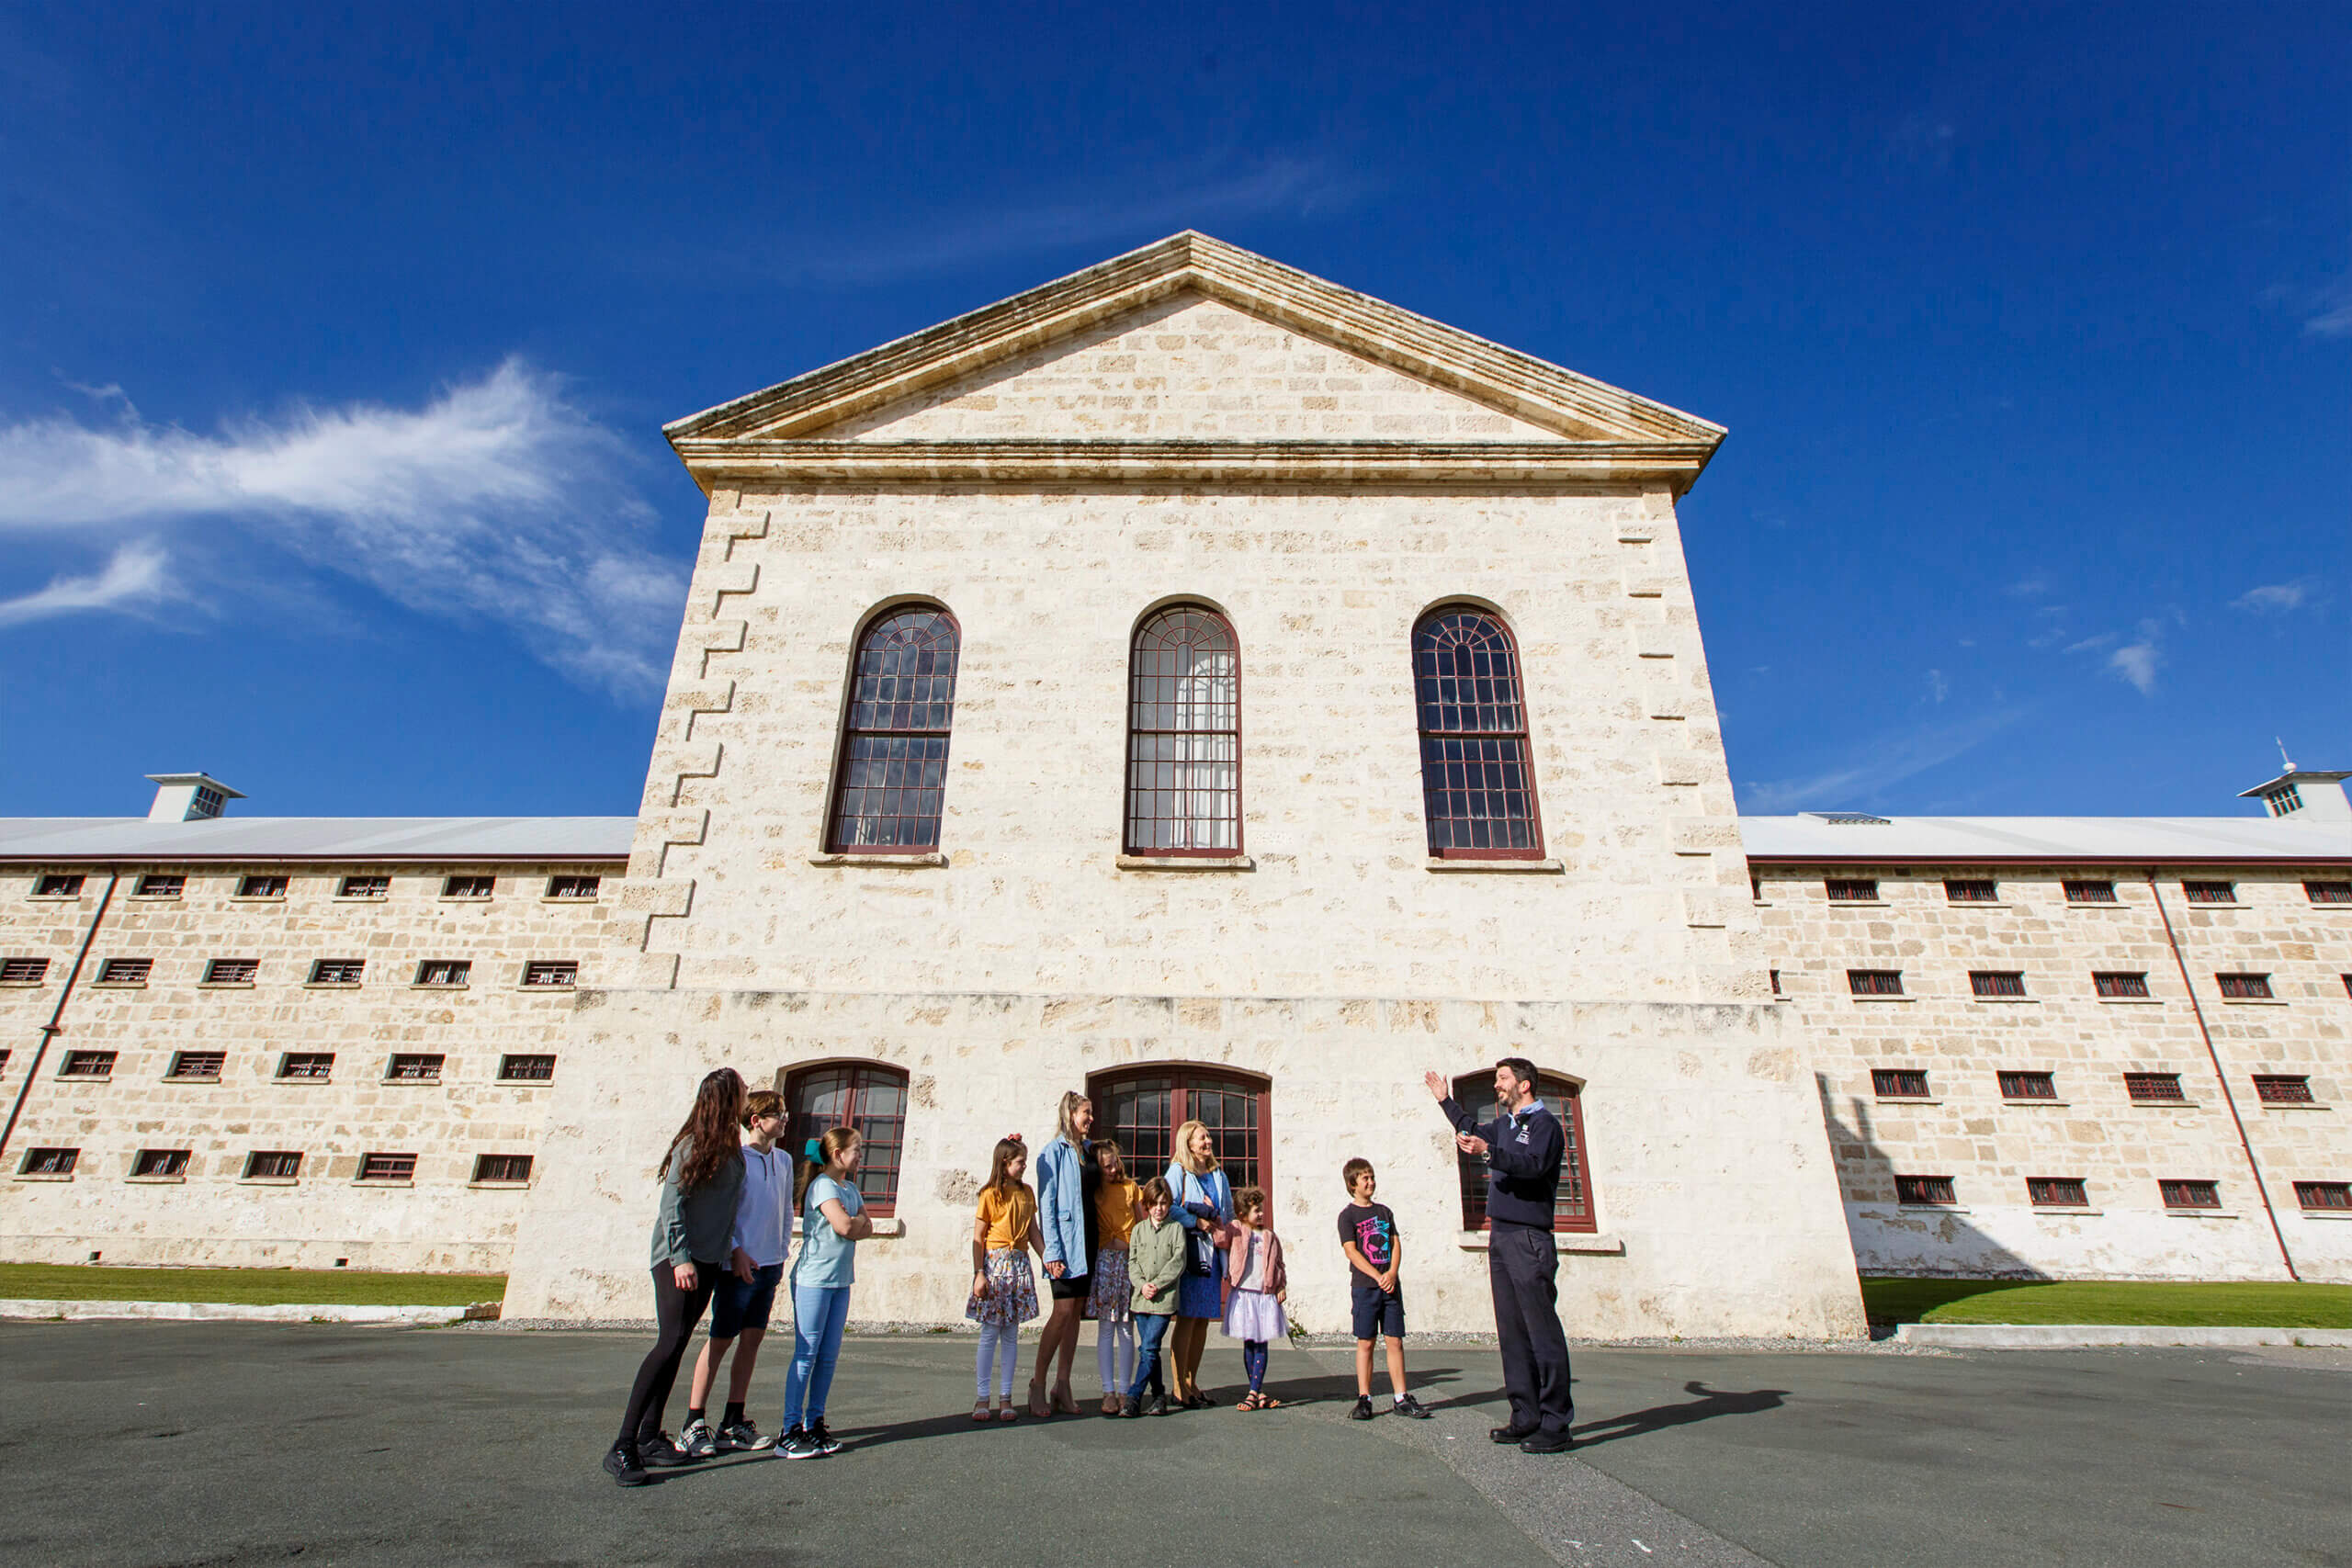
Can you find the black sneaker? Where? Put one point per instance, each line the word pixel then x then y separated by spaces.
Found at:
pixel 1410 1408
pixel 1156 1405
pixel 697 1441
pixel 743 1437
pixel 795 1444
pixel 1364 1410
pixel 826 1442
pixel 622 1464
pixel 663 1452
pixel 1131 1407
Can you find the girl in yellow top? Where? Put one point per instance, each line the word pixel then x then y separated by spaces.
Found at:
pixel 1005 1290
pixel 1118 1203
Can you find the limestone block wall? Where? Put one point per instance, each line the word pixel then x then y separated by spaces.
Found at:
pixel 1964 1129
pixel 1699 1120
pixel 439 1219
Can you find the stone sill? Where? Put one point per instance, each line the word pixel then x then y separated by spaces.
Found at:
pixel 495 1186
pixel 225 984
pixel 331 985
pixel 2007 1001
pixel 434 1082
pixel 54 897
pixel 2201 1213
pixel 1599 1244
pixel 2071 1209
pixel 1185 862
pixel 256 897
pixel 155 1181
pixel 1980 904
pixel 1908 1100
pixel 887 1230
pixel 85 1078
pixel 568 985
pixel 269 1181
pixel 2130 1001
pixel 363 898
pixel 117 985
pixel 1852 997
pixel 439 986
pixel 44 1176
pixel 302 1082
pixel 383 1182
pixel 2253 1001
pixel 2051 1104
pixel 169 1079
pixel 1857 904
pixel 25 985
pixel 2231 904
pixel 2294 1105
pixel 545 900
pixel 930 861
pixel 465 898
pixel 2325 1213
pixel 1932 1208
pixel 2118 904
pixel 1496 867
pixel 2165 1104
pixel 155 897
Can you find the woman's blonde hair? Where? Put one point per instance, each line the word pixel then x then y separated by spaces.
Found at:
pixel 1070 1103
pixel 1184 1148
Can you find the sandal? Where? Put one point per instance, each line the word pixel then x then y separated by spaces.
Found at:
pixel 1251 1400
pixel 1112 1404
pixel 1009 1413
pixel 982 1410
pixel 1064 1401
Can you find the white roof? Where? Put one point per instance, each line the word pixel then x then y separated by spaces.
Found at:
pixel 318 838
pixel 2071 840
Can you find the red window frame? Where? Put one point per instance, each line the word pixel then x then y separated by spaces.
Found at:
pixel 2057 1192
pixel 2180 1193
pixel 2210 892
pixel 2029 1086
pixel 1899 1083
pixel 873 1098
pixel 898 713
pixel 1874 982
pixel 2120 982
pixel 1850 889
pixel 1163 636
pixel 2323 1195
pixel 1996 982
pixel 2154 1088
pixel 1970 890
pixel 2089 891
pixel 1142 1106
pixel 2245 988
pixel 2283 1089
pixel 1484 729
pixel 1926 1192
pixel 2328 892
pixel 1573 1211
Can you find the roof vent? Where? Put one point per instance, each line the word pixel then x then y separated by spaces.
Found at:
pixel 189 797
pixel 1847 818
pixel 2306 794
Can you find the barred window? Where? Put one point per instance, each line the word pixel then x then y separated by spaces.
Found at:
pixel 159 1163
pixel 22 971
pixel 415 1067
pixel 551 974
pixel 2153 1089
pixel 573 887
pixel 1852 889
pixel 526 1068
pixel 197 1066
pixel 1923 1191
pixel 363 887
pixel 262 887
pixel 49 1162
pixel 1478 768
pixel 125 971
pixel 386 1168
pixel 2328 892
pixel 1899 1083
pixel 314 1065
pixel 2191 1194
pixel 444 971
pixel 499 1171
pixel 1996 982
pixel 1572 1210
pixel 1184 734
pixel 2118 983
pixel 2283 1089
pixel 892 780
pixel 2335 1195
pixel 2057 1193
pixel 161 886
pixel 2210 892
pixel 869 1096
pixel 231 971
pixel 1874 982
pixel 58 887
pixel 468 887
pixel 273 1165
pixel 88 1065
pixel 337 970
pixel 2244 988
pixel 2028 1086
pixel 1972 891
pixel 2089 891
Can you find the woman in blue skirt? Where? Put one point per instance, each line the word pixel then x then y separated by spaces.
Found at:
pixel 1204 1208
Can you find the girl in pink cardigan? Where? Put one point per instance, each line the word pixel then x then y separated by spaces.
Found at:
pixel 1256 1287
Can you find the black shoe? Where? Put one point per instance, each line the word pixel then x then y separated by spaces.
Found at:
pixel 1409 1407
pixel 827 1444
pixel 662 1453
pixel 1130 1408
pixel 797 1444
pixel 1557 1442
pixel 1509 1434
pixel 1156 1405
pixel 622 1464
pixel 1364 1410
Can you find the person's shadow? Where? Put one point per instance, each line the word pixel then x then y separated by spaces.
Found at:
pixel 1710 1404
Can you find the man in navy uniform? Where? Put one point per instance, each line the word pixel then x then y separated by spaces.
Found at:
pixel 1523 1148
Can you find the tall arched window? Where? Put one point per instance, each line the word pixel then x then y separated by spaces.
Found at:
pixel 1477 778
pixel 893 770
pixel 1184 736
pixel 864 1095
pixel 1572 1210
pixel 1142 1108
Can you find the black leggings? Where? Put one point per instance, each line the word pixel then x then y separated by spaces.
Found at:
pixel 678 1311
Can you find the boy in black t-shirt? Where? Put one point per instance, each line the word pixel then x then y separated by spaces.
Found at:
pixel 1376 1252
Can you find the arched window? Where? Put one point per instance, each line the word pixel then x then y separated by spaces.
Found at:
pixel 1572 1210
pixel 1142 1108
pixel 893 772
pixel 1184 736
pixel 1478 782
pixel 864 1095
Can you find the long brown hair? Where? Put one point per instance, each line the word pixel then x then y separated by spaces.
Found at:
pixel 824 1150
pixel 1001 1182
pixel 709 1131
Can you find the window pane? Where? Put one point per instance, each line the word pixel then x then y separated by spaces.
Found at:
pixel 894 755
pixel 1183 736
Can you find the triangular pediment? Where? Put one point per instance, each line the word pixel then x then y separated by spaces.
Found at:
pixel 1192 340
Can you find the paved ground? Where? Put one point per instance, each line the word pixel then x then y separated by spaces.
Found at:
pixel 191 1443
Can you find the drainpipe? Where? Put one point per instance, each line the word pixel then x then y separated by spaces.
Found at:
pixel 55 1026
pixel 2261 1190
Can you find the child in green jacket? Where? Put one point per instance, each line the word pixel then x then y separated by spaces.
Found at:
pixel 1156 1265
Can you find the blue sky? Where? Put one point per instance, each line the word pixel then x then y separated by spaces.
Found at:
pixel 333 350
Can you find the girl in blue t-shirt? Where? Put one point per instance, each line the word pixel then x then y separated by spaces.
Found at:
pixel 833 1222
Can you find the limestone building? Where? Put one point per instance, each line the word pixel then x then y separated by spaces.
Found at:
pixel 1200 684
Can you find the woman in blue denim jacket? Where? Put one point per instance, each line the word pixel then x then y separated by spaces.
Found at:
pixel 1204 1208
pixel 1067 1179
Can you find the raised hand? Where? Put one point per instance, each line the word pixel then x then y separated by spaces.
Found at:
pixel 1437 1086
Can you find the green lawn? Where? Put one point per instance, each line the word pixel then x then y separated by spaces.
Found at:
pixel 264 1287
pixel 2108 1302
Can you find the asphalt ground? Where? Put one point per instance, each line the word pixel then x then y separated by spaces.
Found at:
pixel 185 1444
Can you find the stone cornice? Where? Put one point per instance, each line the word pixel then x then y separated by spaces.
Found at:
pixel 1587 466
pixel 1527 388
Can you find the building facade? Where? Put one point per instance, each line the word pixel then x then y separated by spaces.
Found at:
pixel 1204 686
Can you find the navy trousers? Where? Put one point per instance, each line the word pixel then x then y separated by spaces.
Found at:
pixel 1521 1270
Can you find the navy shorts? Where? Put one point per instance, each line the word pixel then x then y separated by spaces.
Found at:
pixel 738 1304
pixel 1377 1312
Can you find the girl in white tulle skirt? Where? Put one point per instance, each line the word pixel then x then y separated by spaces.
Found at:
pixel 1257 1285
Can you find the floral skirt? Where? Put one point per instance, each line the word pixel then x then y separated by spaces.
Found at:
pixel 1114 1297
pixel 1013 1290
pixel 1255 1315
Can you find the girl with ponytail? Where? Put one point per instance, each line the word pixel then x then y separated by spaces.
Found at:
pixel 833 1222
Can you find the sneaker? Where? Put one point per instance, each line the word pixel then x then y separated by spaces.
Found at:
pixel 663 1452
pixel 697 1441
pixel 826 1442
pixel 795 1444
pixel 1409 1407
pixel 622 1464
pixel 743 1437
pixel 1156 1405
pixel 1364 1410
pixel 1131 1407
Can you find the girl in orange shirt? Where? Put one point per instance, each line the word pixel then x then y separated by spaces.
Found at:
pixel 1004 1290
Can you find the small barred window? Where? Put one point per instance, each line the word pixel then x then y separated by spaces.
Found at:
pixel 1996 982
pixel 2116 983
pixel 159 1163
pixel 2057 1193
pixel 1921 1191
pixel 2029 1086
pixel 2191 1194
pixel 2153 1089
pixel 2089 891
pixel 1899 1083
pixel 1876 982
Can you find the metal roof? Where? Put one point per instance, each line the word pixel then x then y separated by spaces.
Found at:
pixel 317 838
pixel 2071 840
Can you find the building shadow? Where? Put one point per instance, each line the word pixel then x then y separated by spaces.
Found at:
pixel 1708 1404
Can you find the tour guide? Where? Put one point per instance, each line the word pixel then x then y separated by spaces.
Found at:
pixel 1523 1148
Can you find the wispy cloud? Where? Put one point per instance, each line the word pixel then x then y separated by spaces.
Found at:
pixel 2332 310
pixel 2028 588
pixel 2137 661
pixel 1937 687
pixel 2275 598
pixel 1887 759
pixel 136 576
pixel 496 501
pixel 2091 643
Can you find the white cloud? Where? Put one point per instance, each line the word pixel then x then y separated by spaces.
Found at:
pixel 1937 687
pixel 1887 759
pixel 495 501
pixel 2091 643
pixel 135 576
pixel 2277 597
pixel 2137 662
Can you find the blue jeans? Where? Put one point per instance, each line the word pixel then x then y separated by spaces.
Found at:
pixel 1151 1328
pixel 819 1315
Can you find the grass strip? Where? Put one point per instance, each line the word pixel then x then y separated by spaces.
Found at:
pixel 246 1287
pixel 2186 1305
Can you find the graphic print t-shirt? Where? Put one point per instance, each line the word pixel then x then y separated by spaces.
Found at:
pixel 1373 1230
